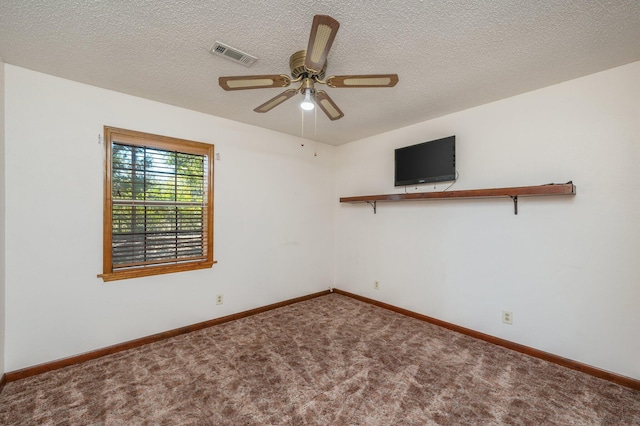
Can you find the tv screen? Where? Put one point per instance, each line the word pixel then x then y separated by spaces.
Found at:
pixel 433 161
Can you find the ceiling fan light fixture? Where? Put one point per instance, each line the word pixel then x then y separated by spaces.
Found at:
pixel 307 103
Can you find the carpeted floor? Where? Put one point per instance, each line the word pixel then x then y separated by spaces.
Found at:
pixel 327 361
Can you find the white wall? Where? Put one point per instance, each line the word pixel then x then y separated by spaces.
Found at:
pixel 567 267
pixel 2 220
pixel 274 207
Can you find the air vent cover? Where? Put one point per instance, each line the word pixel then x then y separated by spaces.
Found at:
pixel 232 54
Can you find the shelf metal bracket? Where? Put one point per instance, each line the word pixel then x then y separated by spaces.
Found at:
pixel 515 203
pixel 373 204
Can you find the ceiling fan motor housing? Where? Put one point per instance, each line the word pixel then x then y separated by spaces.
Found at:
pixel 296 64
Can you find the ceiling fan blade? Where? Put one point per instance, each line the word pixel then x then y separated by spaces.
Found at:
pixel 274 102
pixel 327 105
pixel 323 31
pixel 370 80
pixel 253 82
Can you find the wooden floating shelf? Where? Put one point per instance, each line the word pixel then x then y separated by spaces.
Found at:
pixel 514 193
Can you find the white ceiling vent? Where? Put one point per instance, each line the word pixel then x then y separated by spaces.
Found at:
pixel 233 54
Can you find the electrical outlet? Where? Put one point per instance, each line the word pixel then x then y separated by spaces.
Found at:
pixel 507 317
pixel 219 299
pixel 376 285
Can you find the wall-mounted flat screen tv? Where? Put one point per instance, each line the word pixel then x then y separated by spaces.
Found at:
pixel 433 161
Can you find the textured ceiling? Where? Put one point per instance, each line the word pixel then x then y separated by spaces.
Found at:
pixel 449 55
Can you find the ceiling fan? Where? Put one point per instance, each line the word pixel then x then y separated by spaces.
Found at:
pixel 308 67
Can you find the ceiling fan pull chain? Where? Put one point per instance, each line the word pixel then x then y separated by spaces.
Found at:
pixel 302 129
pixel 315 132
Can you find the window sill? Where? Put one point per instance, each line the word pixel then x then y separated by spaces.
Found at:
pixel 154 270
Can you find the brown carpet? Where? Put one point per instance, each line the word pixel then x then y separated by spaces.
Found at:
pixel 327 361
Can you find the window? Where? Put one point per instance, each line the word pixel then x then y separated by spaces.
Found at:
pixel 158 205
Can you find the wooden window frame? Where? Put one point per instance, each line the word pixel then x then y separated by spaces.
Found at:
pixel 132 137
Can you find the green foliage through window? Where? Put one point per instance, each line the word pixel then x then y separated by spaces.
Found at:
pixel 159 206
